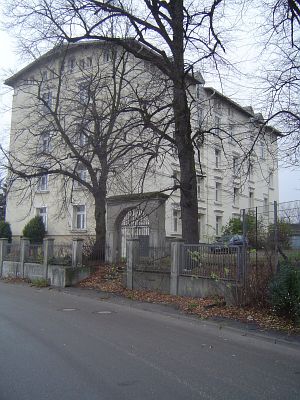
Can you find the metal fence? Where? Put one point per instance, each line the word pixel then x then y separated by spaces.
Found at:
pixel 205 261
pixel 62 255
pixel 156 259
pixel 35 253
pixel 12 253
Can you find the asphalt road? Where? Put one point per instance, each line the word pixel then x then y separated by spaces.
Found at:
pixel 72 346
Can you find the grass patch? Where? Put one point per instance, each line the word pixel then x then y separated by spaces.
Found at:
pixel 39 282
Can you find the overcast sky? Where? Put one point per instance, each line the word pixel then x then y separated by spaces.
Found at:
pixel 289 179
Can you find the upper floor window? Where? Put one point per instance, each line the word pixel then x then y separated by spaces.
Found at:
pixel 200 186
pixel 83 93
pixel 262 149
pixel 176 217
pixel 44 75
pixel 82 175
pixel 235 165
pixel 176 178
pixel 45 143
pixel 266 206
pixel 251 170
pixel 231 133
pixel 271 179
pixel 217 105
pixel 46 101
pixel 236 196
pixel 199 115
pixel 107 55
pixel 89 62
pixel 71 64
pixel 218 192
pixel 42 184
pixel 217 158
pixel 251 199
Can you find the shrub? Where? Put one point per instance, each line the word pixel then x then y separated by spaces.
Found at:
pixel 284 292
pixel 5 231
pixel 34 230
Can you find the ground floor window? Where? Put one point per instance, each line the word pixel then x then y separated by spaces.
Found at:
pixel 79 217
pixel 42 212
pixel 218 225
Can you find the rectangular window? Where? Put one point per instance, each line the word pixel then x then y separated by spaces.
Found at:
pixel 218 225
pixel 71 65
pixel 79 217
pixel 42 185
pixel 251 170
pixel 262 150
pixel 82 174
pixel 200 186
pixel 236 196
pixel 217 105
pixel 176 178
pixel 231 134
pixel 46 101
pixel 271 179
pixel 235 165
pixel 251 199
pixel 218 196
pixel 89 62
pixel 217 124
pixel 45 143
pixel 82 138
pixel 217 158
pixel 107 56
pixel 82 63
pixel 44 76
pixel 176 215
pixel 199 115
pixel 266 206
pixel 83 93
pixel 201 226
pixel 42 212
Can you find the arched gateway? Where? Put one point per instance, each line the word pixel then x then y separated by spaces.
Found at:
pixel 140 216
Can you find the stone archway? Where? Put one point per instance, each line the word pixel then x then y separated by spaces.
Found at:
pixel 152 205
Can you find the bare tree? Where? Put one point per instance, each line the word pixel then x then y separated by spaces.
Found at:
pixel 172 35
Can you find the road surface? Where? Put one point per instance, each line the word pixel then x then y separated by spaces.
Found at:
pixel 78 345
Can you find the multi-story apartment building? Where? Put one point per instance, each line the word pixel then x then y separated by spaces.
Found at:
pixel 76 101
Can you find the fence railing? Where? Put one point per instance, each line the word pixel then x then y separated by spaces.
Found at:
pixel 205 262
pixel 155 259
pixel 62 255
pixel 12 252
pixel 35 253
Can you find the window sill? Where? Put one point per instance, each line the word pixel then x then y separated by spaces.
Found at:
pixel 235 206
pixel 42 191
pixel 218 203
pixel 73 230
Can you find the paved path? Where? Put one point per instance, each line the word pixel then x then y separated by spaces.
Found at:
pixel 61 346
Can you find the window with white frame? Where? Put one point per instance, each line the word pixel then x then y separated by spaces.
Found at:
pixel 262 149
pixel 251 199
pixel 200 186
pixel 89 62
pixel 251 170
pixel 46 101
pixel 217 158
pixel 82 174
pixel 266 205
pixel 82 138
pixel 107 55
pixel 176 219
pixel 42 212
pixel 271 179
pixel 236 196
pixel 218 225
pixel 71 65
pixel 83 93
pixel 217 104
pixel 79 217
pixel 201 224
pixel 231 131
pixel 42 185
pixel 199 115
pixel 235 165
pixel 44 75
pixel 176 178
pixel 82 63
pixel 217 123
pixel 45 142
pixel 218 192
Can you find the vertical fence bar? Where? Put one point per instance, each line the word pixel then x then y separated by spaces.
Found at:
pixel 24 253
pixel 177 255
pixel 77 252
pixel 132 256
pixel 48 253
pixel 276 235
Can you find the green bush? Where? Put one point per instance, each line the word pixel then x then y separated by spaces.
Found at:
pixel 5 231
pixel 284 292
pixel 34 230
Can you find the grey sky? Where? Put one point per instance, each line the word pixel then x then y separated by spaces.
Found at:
pixel 289 179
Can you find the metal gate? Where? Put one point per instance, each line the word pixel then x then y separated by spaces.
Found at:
pixel 135 225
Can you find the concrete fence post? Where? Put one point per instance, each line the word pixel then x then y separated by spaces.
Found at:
pixel 3 250
pixel 77 252
pixel 132 256
pixel 48 245
pixel 176 260
pixel 25 242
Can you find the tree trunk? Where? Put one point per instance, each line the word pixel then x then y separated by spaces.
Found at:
pixel 183 132
pixel 100 227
